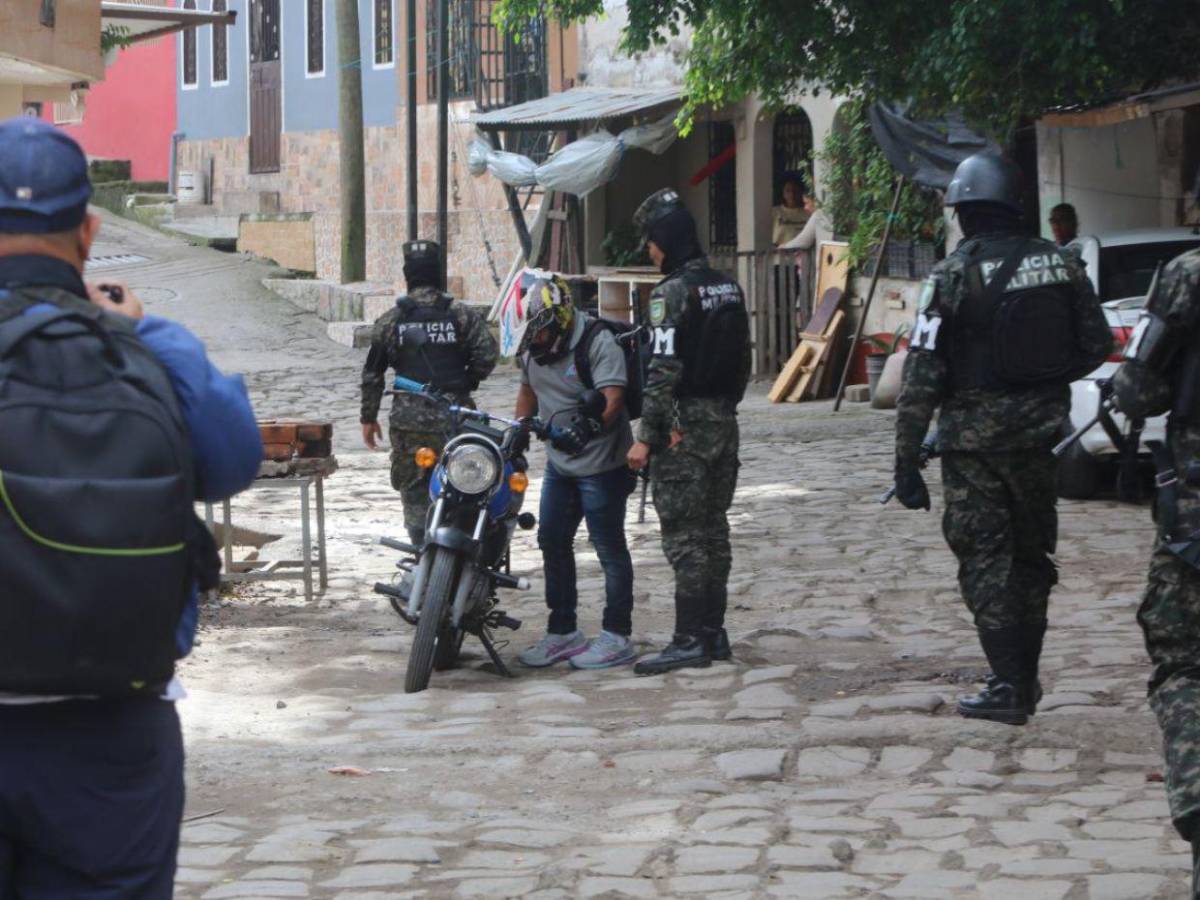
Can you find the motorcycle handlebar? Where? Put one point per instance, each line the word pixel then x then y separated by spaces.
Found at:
pixel 542 430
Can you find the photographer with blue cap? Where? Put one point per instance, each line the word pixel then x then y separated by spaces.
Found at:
pixel 112 424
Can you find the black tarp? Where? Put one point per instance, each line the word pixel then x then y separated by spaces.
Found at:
pixel 924 152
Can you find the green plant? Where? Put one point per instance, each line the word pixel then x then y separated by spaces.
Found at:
pixel 623 247
pixel 890 346
pixel 860 185
pixel 115 36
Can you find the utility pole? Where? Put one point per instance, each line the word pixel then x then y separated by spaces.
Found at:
pixel 443 100
pixel 350 134
pixel 411 58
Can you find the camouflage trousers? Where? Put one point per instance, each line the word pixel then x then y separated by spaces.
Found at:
pixel 693 486
pixel 410 479
pixel 1170 620
pixel 1001 523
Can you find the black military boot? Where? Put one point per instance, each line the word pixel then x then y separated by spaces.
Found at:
pixel 1006 699
pixel 416 537
pixel 718 644
pixel 684 651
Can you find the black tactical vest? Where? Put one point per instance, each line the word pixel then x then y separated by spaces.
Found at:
pixel 714 336
pixel 442 362
pixel 1020 334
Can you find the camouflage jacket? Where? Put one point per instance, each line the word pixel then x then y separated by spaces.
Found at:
pixel 1142 391
pixel 991 421
pixel 661 411
pixel 415 413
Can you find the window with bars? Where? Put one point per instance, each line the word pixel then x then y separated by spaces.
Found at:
pixel 189 50
pixel 462 48
pixel 791 156
pixel 315 37
pixel 511 68
pixel 383 33
pixel 220 47
pixel 722 192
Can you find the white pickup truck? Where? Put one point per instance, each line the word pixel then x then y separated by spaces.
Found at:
pixel 1121 265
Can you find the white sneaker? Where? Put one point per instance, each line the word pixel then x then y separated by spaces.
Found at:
pixel 607 650
pixel 553 648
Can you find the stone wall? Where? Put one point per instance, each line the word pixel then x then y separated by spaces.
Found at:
pixel 481 238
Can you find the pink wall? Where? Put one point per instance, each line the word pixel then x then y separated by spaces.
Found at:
pixel 131 114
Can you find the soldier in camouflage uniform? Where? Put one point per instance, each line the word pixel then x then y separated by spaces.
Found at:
pixel 688 433
pixel 459 354
pixel 1004 324
pixel 1162 373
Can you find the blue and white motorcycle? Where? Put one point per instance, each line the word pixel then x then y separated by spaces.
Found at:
pixel 477 487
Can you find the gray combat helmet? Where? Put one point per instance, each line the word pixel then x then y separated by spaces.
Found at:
pixel 659 204
pixel 986 177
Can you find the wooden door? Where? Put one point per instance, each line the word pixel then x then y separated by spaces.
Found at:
pixel 266 94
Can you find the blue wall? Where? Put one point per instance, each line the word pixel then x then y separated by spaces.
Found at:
pixel 309 104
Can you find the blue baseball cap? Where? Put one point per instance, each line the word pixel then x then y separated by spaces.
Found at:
pixel 44 184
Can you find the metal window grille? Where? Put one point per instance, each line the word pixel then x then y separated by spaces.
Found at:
pixel 792 151
pixel 316 36
pixel 220 46
pixel 462 48
pixel 510 69
pixel 189 49
pixel 264 30
pixel 722 192
pixel 383 32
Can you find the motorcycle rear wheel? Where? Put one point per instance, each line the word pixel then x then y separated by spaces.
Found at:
pixel 433 624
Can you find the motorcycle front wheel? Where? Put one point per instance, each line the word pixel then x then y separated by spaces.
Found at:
pixel 433 625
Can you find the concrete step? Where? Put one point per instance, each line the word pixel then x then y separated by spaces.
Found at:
pixel 363 301
pixel 351 334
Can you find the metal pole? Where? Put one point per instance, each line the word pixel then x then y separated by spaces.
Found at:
pixel 862 320
pixel 411 112
pixel 443 101
pixel 350 140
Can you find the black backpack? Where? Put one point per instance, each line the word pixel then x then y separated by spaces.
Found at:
pixel 98 540
pixel 635 346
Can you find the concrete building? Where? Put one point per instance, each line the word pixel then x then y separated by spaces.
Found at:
pixel 45 50
pixel 1131 164
pixel 263 131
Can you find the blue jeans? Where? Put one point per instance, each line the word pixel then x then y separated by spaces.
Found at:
pixel 600 499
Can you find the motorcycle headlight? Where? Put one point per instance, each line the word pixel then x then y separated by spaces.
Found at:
pixel 472 469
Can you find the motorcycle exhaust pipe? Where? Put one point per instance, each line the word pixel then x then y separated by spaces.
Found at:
pixel 511 581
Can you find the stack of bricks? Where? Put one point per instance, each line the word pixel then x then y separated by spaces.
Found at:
pixel 284 440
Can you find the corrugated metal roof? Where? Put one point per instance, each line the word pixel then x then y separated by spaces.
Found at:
pixel 580 105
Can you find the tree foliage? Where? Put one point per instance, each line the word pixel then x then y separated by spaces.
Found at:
pixel 999 61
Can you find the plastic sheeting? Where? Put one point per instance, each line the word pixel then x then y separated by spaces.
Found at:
pixel 924 152
pixel 578 168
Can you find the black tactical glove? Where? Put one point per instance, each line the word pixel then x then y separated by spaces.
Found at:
pixel 910 488
pixel 575 437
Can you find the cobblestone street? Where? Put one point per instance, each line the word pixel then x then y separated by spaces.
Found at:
pixel 825 761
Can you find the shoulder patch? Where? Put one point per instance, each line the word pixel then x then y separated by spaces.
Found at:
pixel 658 310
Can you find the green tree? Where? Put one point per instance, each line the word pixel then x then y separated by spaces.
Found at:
pixel 999 61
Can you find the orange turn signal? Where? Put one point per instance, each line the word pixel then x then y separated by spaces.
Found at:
pixel 425 458
pixel 518 481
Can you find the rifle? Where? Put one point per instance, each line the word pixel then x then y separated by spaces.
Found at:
pixel 1103 416
pixel 644 475
pixel 929 450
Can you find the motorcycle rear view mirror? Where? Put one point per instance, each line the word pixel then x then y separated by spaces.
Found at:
pixel 592 404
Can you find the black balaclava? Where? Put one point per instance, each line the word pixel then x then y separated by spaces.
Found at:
pixel 988 218
pixel 675 234
pixel 423 271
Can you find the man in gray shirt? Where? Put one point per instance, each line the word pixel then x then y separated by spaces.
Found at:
pixel 586 476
